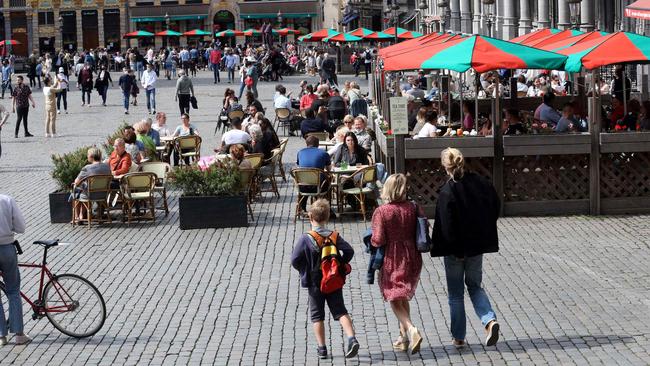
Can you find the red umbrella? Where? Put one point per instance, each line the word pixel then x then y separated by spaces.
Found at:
pixel 138 34
pixel 535 35
pixel 615 48
pixel 319 35
pixel 168 33
pixel 568 42
pixel 286 31
pixel 402 33
pixel 414 43
pixel 567 33
pixel 11 42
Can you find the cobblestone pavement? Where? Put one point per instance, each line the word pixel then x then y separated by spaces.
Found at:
pixel 567 290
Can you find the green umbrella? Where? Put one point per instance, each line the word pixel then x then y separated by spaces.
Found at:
pixel 197 32
pixel 168 33
pixel 230 33
pixel 138 34
pixel 252 32
pixel 402 33
pixel 318 35
pixel 343 37
pixel 360 32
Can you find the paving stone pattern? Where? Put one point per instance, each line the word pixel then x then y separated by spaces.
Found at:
pixel 567 290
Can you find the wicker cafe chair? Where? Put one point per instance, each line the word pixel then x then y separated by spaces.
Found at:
pixel 283 147
pixel 310 177
pixel 138 187
pixel 282 119
pixel 267 172
pixel 188 147
pixel 361 179
pixel 255 159
pixel 161 170
pixel 94 189
pixel 321 136
pixel 247 181
pixel 225 122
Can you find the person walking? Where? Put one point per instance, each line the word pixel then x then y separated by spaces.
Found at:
pixel 393 228
pixel 466 197
pixel 184 91
pixel 85 82
pixel 22 96
pixel 11 222
pixel 7 71
pixel 215 62
pixel 62 79
pixel 231 64
pixel 101 84
pixel 253 72
pixel 50 90
pixel 148 81
pixel 126 83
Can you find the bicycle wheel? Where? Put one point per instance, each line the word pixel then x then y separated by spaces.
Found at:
pixel 74 305
pixel 4 300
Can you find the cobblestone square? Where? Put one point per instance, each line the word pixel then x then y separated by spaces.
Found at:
pixel 567 290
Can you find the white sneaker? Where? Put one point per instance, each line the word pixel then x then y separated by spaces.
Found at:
pixel 23 339
pixel 3 341
pixel 58 112
pixel 47 135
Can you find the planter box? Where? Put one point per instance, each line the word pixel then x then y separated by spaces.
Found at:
pixel 60 208
pixel 212 212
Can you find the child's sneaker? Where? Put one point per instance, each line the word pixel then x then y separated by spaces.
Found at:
pixel 23 339
pixel 322 352
pixel 353 347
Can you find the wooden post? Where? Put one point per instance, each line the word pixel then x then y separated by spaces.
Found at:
pixel 594 157
pixel 400 161
pixel 513 93
pixel 497 174
pixel 582 94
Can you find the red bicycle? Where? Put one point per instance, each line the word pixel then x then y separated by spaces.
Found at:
pixel 70 302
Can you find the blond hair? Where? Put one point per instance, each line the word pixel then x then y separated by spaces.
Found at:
pixel 453 162
pixel 395 188
pixel 319 211
pixel 95 154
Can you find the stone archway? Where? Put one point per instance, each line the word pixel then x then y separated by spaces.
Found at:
pixel 224 13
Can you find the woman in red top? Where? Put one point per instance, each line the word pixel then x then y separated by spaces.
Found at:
pixel 308 98
pixel 393 227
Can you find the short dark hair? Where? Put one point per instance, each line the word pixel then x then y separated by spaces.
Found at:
pixel 236 122
pixel 431 116
pixel 186 115
pixel 19 77
pixel 312 141
pixel 282 89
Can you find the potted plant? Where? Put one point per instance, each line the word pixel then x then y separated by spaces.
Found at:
pixel 211 196
pixel 65 171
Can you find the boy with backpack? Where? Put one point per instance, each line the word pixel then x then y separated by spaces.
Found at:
pixel 322 256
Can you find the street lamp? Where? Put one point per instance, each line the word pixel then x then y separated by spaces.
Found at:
pixel 423 6
pixel 574 8
pixel 443 5
pixel 488 5
pixel 395 9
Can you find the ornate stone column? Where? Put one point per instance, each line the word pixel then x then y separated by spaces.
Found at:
pixel 454 7
pixel 543 18
pixel 509 20
pixel 466 16
pixel 100 26
pixel 476 19
pixel 563 15
pixel 525 21
pixel 80 35
pixel 587 15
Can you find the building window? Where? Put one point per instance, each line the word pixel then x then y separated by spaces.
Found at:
pixel 112 29
pixel 193 1
pixel 143 2
pixel 45 18
pixel 69 29
pixel 168 2
pixel 17 3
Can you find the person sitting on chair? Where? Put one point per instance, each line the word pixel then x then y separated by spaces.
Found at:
pixel 312 124
pixel 234 136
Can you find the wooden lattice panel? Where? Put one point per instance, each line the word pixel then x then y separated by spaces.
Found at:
pixel 625 175
pixel 426 177
pixel 546 177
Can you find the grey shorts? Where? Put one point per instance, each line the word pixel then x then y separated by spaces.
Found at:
pixel 317 304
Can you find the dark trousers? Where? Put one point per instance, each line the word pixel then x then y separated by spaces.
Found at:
pixel 215 69
pixel 22 113
pixel 6 85
pixel 85 92
pixel 184 103
pixel 177 157
pixel 367 66
pixel 62 95
pixel 103 92
pixel 310 189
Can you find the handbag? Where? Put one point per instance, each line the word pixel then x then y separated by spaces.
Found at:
pixel 193 102
pixel 422 235
pixel 248 81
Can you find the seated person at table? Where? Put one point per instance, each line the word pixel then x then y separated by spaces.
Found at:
pixel 95 167
pixel 119 161
pixel 252 101
pixel 545 112
pixel 567 122
pixel 629 122
pixel 280 99
pixel 468 112
pixel 350 152
pixel 515 127
pixel 235 136
pixel 617 113
pixel 336 108
pixel 416 91
pixel 161 125
pixel 153 134
pixel 417 120
pixel 237 154
pixel 185 128
pixel 234 105
pixel 141 130
pixel 307 99
pixel 251 118
pixel 363 137
pixel 267 141
pixel 312 124
pixel 429 129
pixel 134 147
pixel 312 157
pixel 339 139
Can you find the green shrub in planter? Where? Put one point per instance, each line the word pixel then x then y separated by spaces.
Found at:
pixel 67 167
pixel 110 139
pixel 220 179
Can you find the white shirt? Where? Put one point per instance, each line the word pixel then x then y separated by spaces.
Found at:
pixel 162 131
pixel 521 87
pixel 11 220
pixel 282 101
pixel 235 137
pixel 150 55
pixel 148 79
pixel 428 130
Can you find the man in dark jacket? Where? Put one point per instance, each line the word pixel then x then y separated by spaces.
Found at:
pixel 126 83
pixel 465 227
pixel 328 70
pixel 312 124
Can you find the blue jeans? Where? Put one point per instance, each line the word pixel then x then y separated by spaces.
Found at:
pixel 215 70
pixel 139 67
pixel 11 277
pixel 125 96
pixel 231 74
pixel 241 89
pixel 470 271
pixel 151 99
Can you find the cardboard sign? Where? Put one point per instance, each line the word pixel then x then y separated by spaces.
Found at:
pixel 399 120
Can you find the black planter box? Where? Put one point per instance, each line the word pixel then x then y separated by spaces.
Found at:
pixel 212 212
pixel 60 208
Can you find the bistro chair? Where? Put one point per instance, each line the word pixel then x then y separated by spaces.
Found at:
pixel 310 177
pixel 188 147
pixel 283 147
pixel 282 119
pixel 267 172
pixel 161 170
pixel 224 122
pixel 322 136
pixel 247 179
pixel 138 188
pixel 255 159
pixel 361 179
pixel 93 190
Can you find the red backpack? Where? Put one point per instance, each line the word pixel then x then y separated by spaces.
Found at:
pixel 332 269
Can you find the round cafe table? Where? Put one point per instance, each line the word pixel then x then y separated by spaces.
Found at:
pixel 337 172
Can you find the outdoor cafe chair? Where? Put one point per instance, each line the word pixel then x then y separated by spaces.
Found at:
pixel 310 177
pixel 267 172
pixel 283 147
pixel 282 119
pixel 361 179
pixel 247 180
pixel 94 190
pixel 225 122
pixel 322 136
pixel 161 170
pixel 255 160
pixel 138 188
pixel 188 147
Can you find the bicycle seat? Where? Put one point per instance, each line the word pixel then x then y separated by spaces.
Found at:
pixel 47 243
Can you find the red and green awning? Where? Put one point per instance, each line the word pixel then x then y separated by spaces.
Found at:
pixel 286 31
pixel 360 32
pixel 319 35
pixel 252 32
pixel 535 35
pixel 477 52
pixel 414 43
pixel 168 33
pixel 568 42
pixel 402 33
pixel 639 9
pixel 379 36
pixel 616 48
pixel 10 42
pixel 138 34
pixel 230 33
pixel 567 33
pixel 196 33
pixel 343 37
